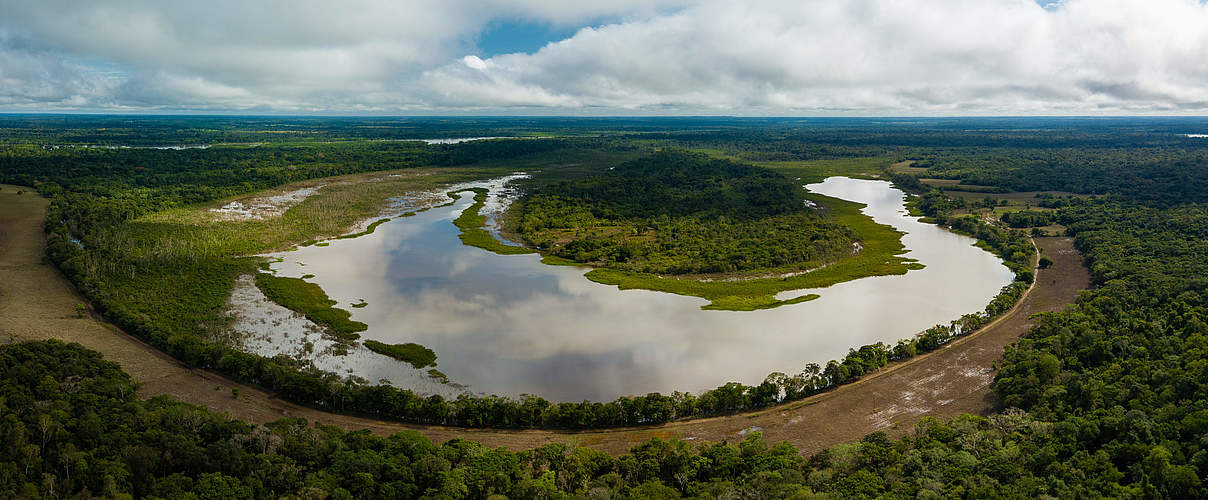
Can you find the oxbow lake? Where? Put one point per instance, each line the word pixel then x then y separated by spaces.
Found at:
pixel 510 325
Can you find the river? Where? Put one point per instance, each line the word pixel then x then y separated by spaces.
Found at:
pixel 510 325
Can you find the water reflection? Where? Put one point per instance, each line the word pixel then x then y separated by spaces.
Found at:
pixel 510 325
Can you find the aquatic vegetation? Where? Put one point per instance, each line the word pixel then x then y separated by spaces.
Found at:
pixel 438 375
pixel 410 352
pixel 368 229
pixel 310 300
pixel 472 233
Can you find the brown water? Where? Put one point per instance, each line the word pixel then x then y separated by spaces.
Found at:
pixel 510 325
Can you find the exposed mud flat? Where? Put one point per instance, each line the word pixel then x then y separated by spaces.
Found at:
pixel 261 326
pixel 264 207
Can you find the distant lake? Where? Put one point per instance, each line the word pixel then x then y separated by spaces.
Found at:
pixel 456 140
pixel 510 325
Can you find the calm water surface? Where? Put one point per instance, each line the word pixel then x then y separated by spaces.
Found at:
pixel 510 325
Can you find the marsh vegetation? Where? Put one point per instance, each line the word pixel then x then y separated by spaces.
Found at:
pixel 414 354
pixel 310 300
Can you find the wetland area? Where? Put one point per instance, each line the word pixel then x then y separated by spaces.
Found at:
pixel 510 325
pixel 120 267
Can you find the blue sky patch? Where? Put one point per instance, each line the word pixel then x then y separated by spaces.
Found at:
pixel 509 36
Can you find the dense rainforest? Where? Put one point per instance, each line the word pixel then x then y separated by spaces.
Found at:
pixel 677 212
pixel 1106 399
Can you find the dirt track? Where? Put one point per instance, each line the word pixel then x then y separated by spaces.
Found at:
pixel 37 302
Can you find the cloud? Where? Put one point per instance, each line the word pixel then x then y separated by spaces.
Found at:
pixel 672 57
pixel 30 78
pixel 865 56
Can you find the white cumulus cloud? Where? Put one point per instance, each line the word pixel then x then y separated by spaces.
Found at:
pixel 867 56
pixel 821 57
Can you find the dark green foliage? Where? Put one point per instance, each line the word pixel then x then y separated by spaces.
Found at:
pixel 680 213
pixel 1123 373
pixel 72 426
pixel 1113 390
pixel 132 296
pixel 677 184
pixel 1154 175
pixel 1028 218
pixel 307 298
pixel 410 352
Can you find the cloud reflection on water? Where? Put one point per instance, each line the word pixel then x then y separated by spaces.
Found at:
pixel 510 325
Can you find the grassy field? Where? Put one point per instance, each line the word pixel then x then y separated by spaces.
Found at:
pixel 340 203
pixel 907 167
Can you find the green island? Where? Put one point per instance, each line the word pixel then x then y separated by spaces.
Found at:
pixel 689 224
pixel 410 352
pixel 307 298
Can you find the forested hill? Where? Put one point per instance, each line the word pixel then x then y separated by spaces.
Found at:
pixel 676 212
pixel 678 184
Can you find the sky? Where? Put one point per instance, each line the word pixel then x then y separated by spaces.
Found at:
pixel 621 57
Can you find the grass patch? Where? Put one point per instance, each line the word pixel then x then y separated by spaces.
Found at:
pixel 880 256
pixel 307 298
pixel 554 260
pixel 415 354
pixel 368 230
pixel 438 376
pixel 360 304
pixel 470 222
